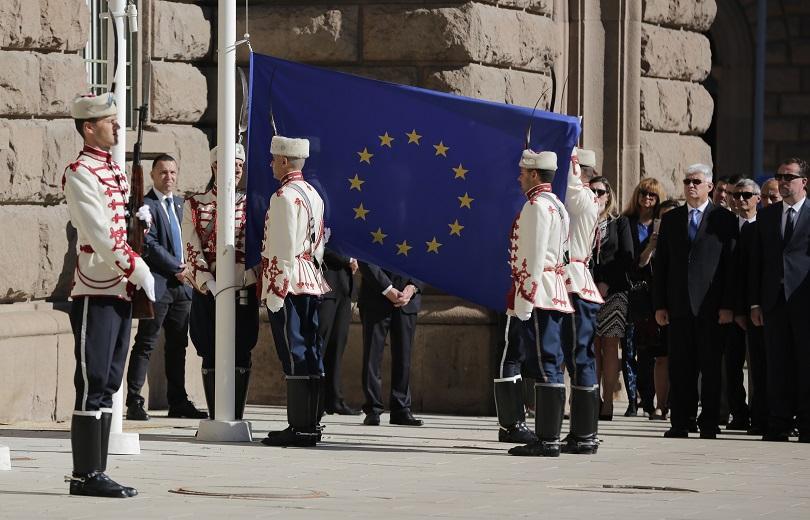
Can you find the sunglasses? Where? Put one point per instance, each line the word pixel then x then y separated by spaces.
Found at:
pixel 786 177
pixel 696 182
pixel 645 193
pixel 744 195
pixel 599 193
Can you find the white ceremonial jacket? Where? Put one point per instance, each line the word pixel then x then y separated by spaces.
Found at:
pixel 293 245
pixel 199 230
pixel 583 212
pixel 97 194
pixel 537 255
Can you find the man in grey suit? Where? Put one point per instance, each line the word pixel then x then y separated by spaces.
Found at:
pixel 779 294
pixel 163 253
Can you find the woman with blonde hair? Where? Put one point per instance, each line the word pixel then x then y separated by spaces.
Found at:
pixel 642 342
pixel 613 256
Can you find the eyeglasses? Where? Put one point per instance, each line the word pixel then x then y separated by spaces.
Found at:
pixel 645 193
pixel 744 195
pixel 696 182
pixel 599 193
pixel 786 177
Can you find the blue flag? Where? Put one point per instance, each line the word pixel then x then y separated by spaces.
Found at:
pixel 415 181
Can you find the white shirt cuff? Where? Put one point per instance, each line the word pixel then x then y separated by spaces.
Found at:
pixel 387 289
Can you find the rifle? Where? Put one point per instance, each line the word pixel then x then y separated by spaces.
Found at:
pixel 142 307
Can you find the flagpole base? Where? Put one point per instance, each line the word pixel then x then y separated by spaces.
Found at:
pixel 5 458
pixel 124 443
pixel 224 431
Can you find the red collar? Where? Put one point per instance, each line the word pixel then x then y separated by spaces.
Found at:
pixel 97 153
pixel 292 176
pixel 540 188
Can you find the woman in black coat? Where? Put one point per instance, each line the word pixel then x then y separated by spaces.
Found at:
pixel 613 257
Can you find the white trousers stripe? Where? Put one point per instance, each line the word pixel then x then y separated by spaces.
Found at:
pixel 83 352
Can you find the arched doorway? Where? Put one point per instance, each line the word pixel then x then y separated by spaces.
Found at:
pixel 731 84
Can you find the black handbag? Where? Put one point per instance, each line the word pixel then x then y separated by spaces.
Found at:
pixel 639 297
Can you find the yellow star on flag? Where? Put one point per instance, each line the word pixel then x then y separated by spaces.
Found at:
pixel 465 201
pixel 356 183
pixel 413 137
pixel 455 228
pixel 365 156
pixel 360 212
pixel 378 236
pixel 403 248
pixel 441 149
pixel 460 172
pixel 385 140
pixel 433 246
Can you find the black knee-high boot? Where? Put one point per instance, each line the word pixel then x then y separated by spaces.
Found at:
pixel 584 421
pixel 509 399
pixel 89 446
pixel 209 389
pixel 550 407
pixel 241 391
pixel 301 430
pixel 317 396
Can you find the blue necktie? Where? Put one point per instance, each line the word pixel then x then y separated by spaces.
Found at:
pixel 175 227
pixel 694 223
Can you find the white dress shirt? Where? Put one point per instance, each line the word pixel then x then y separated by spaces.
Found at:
pixel 785 208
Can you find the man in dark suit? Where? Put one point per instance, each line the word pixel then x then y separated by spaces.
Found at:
pixel 163 253
pixel 388 301
pixel 693 292
pixel 779 293
pixel 334 316
pixel 747 196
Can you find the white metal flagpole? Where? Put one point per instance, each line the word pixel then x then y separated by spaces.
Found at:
pixel 223 427
pixel 120 443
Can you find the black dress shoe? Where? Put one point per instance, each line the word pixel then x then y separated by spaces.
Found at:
pixel 775 437
pixel 738 424
pixel 676 433
pixel 710 434
pixel 632 410
pixel 342 409
pixel 755 430
pixel 186 410
pixel 692 427
pixel 135 412
pixel 372 419
pixel 99 485
pixel 405 418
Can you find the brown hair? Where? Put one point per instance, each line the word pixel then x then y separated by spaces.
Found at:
pixel 649 184
pixel 611 208
pixel 804 169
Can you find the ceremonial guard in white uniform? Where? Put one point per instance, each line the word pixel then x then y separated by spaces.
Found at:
pixel 200 238
pixel 579 328
pixel 538 297
pixel 107 274
pixel 292 285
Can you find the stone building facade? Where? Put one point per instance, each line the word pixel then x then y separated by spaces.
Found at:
pixel 661 84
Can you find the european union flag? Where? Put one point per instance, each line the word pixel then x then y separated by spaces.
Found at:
pixel 415 181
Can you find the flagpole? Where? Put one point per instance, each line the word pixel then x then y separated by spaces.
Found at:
pixel 120 443
pixel 223 427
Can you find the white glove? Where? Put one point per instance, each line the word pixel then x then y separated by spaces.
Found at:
pixel 148 286
pixel 144 215
pixel 211 285
pixel 326 234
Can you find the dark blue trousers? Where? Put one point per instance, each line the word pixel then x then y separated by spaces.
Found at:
pixel 202 326
pixel 536 345
pixel 101 328
pixel 295 333
pixel 578 331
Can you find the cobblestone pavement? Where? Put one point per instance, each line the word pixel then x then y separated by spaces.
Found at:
pixel 449 468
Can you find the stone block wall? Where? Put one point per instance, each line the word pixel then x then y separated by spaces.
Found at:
pixel 675 108
pixel 41 71
pixel 496 50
